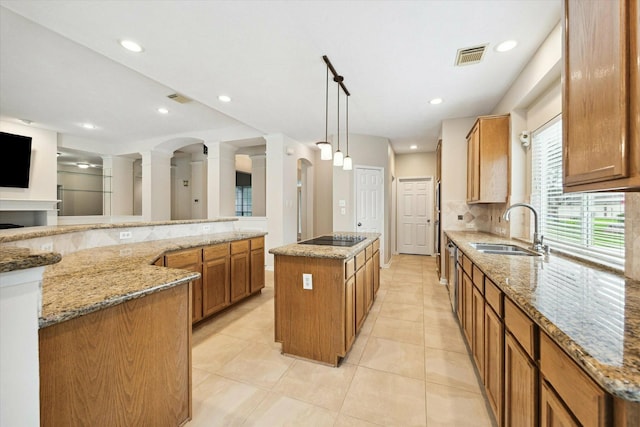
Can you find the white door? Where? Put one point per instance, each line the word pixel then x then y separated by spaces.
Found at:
pixel 370 201
pixel 415 210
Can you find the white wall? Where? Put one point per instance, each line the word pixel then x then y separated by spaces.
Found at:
pixel 416 164
pixel 82 191
pixel 122 184
pixel 323 201
pixel 42 176
pixel 181 194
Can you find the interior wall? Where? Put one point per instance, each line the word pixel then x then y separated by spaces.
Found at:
pixel 415 164
pixel 82 191
pixel 122 184
pixel 323 195
pixel 180 193
pixel 42 174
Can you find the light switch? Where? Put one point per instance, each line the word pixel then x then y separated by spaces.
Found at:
pixel 343 211
pixel 307 281
pixel 342 203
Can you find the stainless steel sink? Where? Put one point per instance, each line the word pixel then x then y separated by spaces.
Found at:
pixel 502 249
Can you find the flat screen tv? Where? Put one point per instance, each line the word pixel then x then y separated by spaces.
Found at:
pixel 15 161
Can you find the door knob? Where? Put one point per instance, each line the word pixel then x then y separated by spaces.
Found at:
pixel 359 224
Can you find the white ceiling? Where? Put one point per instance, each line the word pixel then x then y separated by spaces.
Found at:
pixel 267 55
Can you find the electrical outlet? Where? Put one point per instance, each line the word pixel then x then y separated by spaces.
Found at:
pixel 47 247
pixel 307 281
pixel 206 228
pixel 126 252
pixel 469 225
pixel 125 235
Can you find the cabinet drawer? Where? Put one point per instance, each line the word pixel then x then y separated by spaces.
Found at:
pixel 587 401
pixel 183 258
pixel 216 251
pixel 368 251
pixel 478 279
pixel 493 295
pixel 360 259
pixel 257 243
pixel 467 265
pixel 520 326
pixel 376 245
pixel 349 268
pixel 239 247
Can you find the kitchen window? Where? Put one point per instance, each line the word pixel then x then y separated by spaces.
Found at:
pixel 584 225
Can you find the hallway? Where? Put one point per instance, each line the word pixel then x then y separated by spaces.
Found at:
pixel 409 365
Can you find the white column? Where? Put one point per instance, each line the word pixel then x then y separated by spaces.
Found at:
pixel 156 185
pixel 20 302
pixel 275 194
pixel 118 185
pixel 221 180
pixel 258 185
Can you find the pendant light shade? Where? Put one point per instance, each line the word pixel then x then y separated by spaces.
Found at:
pixel 338 157
pixel 324 146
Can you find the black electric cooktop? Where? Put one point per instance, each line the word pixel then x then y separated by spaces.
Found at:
pixel 334 240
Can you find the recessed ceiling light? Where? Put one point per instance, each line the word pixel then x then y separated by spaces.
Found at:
pixel 224 98
pixel 506 46
pixel 413 147
pixel 26 121
pixel 131 46
pixel 163 110
pixel 88 126
pixel 435 101
pixel 83 165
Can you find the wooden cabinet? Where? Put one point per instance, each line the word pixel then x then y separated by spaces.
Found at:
pixel 520 386
pixel 215 279
pixel 477 329
pixel 190 259
pixel 601 119
pixel 553 413
pixel 360 296
pixel 467 315
pixel 488 160
pixel 494 360
pixel 257 264
pixel 376 271
pixel 349 313
pixel 581 397
pixel 368 278
pixel 229 273
pixel 239 270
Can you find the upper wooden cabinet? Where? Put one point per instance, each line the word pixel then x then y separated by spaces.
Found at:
pixel 601 119
pixel 488 160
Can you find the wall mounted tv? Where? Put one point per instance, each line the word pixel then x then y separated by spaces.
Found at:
pixel 15 161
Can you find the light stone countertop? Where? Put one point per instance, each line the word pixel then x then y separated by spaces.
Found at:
pixel 24 233
pixel 592 313
pixel 326 251
pixel 14 258
pixel 93 279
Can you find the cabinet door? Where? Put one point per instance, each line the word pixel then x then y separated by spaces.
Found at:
pixel 520 386
pixel 595 103
pixel 460 296
pixel 493 360
pixel 257 270
pixel 477 329
pixel 376 273
pixel 473 165
pixel 349 313
pixel 239 276
pixel 368 285
pixel 215 286
pixel 360 298
pixel 468 308
pixel 553 413
pixel 189 260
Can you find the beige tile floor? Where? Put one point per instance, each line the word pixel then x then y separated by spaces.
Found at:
pixel 408 366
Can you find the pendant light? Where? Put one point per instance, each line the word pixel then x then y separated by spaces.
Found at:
pixel 348 163
pixel 324 146
pixel 338 157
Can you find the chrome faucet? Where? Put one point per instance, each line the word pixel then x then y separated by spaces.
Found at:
pixel 537 245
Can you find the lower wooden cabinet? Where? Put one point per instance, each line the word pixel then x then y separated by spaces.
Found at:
pixel 229 272
pixel 349 313
pixel 215 279
pixel 360 306
pixel 191 260
pixel 494 361
pixel 520 386
pixel 368 282
pixel 477 329
pixel 553 413
pixel 467 304
pixel 376 272
pixel 239 270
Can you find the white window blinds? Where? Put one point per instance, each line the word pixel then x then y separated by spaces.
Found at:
pixel 585 225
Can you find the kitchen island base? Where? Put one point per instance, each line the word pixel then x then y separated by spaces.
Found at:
pixel 126 365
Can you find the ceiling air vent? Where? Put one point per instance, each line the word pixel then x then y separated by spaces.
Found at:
pixel 470 55
pixel 179 98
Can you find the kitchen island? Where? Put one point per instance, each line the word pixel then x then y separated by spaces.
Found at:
pixel 552 338
pixel 323 292
pixel 115 329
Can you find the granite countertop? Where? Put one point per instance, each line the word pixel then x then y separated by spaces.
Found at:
pixel 93 279
pixel 23 233
pixel 592 313
pixel 325 251
pixel 13 258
